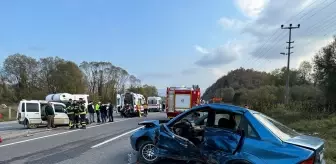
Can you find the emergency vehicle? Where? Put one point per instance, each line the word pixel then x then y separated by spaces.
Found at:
pixel 120 101
pixel 180 99
pixel 133 104
pixel 154 104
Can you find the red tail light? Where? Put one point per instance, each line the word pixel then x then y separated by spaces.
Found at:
pixel 308 161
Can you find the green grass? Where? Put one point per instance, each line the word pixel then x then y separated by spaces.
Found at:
pixel 317 124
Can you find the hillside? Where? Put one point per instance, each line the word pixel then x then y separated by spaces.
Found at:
pixel 312 100
pixel 237 79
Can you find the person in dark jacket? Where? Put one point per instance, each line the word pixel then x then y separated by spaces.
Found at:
pixel 110 112
pixel 49 111
pixel 103 112
pixel 91 111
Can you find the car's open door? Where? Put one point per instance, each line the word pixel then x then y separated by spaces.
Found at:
pixel 221 143
pixel 170 145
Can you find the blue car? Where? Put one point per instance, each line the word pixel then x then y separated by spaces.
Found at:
pixel 225 134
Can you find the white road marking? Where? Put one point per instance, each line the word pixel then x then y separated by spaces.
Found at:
pixel 114 138
pixel 32 139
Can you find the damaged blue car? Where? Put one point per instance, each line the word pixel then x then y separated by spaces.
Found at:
pixel 225 134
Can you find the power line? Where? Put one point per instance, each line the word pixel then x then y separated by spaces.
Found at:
pixel 290 27
pixel 303 16
pixel 260 48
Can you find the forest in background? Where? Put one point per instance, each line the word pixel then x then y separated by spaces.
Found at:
pixel 312 85
pixel 312 105
pixel 24 77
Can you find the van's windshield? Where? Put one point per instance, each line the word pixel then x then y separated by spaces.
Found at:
pixel 152 101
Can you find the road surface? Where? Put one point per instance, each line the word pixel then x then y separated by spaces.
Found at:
pixel 10 125
pixel 13 125
pixel 104 144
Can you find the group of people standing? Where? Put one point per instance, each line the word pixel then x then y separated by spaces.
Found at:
pixel 76 111
pixel 103 112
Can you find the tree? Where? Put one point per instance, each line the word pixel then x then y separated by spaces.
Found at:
pixel 305 70
pixel 20 71
pixel 68 78
pixel 325 72
pixel 225 93
pixel 47 69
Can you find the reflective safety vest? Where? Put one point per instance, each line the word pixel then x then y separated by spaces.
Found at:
pixel 97 107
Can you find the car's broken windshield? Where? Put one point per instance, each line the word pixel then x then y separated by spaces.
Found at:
pixel 278 129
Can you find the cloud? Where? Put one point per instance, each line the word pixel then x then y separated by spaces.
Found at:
pixel 251 8
pixel 230 23
pixel 221 55
pixel 313 16
pixel 201 49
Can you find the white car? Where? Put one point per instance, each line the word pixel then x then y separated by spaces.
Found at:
pixel 31 113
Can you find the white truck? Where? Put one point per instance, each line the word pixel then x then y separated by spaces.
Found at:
pixel 64 97
pixel 31 113
pixel 120 101
pixel 154 104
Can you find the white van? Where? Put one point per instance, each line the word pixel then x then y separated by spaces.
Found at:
pixel 154 104
pixel 31 113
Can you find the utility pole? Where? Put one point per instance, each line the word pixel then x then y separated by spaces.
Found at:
pixel 290 27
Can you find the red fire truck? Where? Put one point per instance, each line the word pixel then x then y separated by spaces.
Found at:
pixel 180 99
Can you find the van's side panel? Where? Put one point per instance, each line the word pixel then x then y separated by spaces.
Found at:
pixel 33 112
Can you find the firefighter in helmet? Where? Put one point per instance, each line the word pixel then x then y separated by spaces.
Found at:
pixel 82 113
pixel 75 106
pixel 70 112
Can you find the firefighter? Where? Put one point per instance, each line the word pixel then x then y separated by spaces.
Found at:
pixel 75 106
pixel 70 112
pixel 82 113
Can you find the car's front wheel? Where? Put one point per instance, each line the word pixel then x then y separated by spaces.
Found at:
pixel 146 152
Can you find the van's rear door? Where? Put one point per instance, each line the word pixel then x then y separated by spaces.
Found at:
pixel 21 112
pixel 33 112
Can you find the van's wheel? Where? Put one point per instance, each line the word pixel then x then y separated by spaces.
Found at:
pixel 30 126
pixel 146 152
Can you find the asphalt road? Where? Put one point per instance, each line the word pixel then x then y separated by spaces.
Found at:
pixel 14 125
pixel 104 144
pixel 11 125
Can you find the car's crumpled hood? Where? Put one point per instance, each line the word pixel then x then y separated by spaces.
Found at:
pixel 307 141
pixel 152 123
